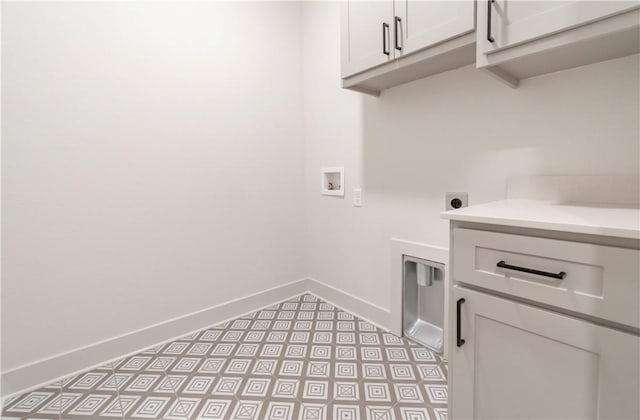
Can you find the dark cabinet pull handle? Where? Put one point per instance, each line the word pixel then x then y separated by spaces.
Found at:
pixel 385 29
pixel 489 37
pixel 396 32
pixel 561 275
pixel 459 340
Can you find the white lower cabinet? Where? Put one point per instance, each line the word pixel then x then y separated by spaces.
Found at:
pixel 515 361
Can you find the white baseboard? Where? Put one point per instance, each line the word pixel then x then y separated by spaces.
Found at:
pixel 36 374
pixel 42 372
pixel 366 310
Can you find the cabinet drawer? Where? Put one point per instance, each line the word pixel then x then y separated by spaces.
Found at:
pixel 599 281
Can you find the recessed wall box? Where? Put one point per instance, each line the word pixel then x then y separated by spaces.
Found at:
pixel 332 181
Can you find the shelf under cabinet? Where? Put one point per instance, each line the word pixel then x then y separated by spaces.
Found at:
pixel 449 55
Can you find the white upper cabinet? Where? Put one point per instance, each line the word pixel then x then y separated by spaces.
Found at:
pixel 389 42
pixel 366 35
pixel 420 24
pixel 514 22
pixel 517 39
pixel 386 43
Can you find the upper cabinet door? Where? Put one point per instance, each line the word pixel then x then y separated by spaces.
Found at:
pixel 513 22
pixel 367 35
pixel 422 23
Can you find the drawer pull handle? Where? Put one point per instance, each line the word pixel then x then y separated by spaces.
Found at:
pixel 459 340
pixel 561 275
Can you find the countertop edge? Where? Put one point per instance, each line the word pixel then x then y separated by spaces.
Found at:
pixel 561 226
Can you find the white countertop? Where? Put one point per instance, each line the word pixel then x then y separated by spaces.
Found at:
pixel 589 218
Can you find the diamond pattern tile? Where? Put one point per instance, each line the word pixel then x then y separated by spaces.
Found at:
pixel 301 359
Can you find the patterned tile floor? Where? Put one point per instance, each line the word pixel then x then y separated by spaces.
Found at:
pixel 298 359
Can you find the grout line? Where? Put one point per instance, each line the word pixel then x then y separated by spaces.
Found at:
pixel 166 377
pixel 115 378
pixel 61 395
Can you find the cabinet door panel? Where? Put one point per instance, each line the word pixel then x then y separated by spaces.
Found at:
pixel 522 362
pixel 362 35
pixel 425 22
pixel 518 21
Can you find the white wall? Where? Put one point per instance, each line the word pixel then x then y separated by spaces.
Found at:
pixel 161 158
pixel 457 131
pixel 151 157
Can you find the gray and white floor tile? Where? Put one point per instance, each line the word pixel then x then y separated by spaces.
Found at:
pixel 302 359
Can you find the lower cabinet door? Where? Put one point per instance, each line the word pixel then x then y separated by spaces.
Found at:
pixel 515 361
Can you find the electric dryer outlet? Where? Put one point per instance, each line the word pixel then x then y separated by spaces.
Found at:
pixel 456 200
